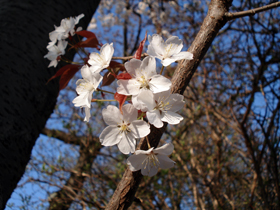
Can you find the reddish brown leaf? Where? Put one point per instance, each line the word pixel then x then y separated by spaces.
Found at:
pixel 124 76
pixel 108 79
pixel 121 99
pixel 65 73
pixel 86 34
pixel 140 48
pixel 116 66
pixel 91 40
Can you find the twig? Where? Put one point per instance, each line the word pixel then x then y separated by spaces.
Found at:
pixel 129 57
pixel 251 12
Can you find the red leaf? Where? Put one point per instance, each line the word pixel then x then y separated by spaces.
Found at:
pixel 116 65
pixel 108 79
pixel 66 73
pixel 91 40
pixel 121 99
pixel 138 53
pixel 86 34
pixel 124 76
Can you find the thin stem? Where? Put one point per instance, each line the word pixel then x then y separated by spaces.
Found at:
pixel 148 143
pixel 105 91
pixel 161 70
pixel 101 100
pixel 68 61
pixel 129 57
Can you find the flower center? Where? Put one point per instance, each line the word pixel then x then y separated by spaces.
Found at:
pixel 88 86
pixel 124 128
pixel 99 59
pixel 151 161
pixel 161 105
pixel 143 82
pixel 167 52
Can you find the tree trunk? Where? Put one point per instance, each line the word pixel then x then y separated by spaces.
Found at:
pixel 27 101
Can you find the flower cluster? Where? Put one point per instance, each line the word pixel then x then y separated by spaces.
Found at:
pixel 149 94
pixel 62 32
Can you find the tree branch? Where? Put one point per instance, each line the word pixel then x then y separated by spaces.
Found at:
pixel 251 12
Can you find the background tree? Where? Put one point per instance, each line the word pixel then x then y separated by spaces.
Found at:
pixel 227 148
pixel 27 101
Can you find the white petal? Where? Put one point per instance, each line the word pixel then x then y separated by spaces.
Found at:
pixel 86 73
pixel 151 51
pixel 82 100
pixel 165 162
pixel 150 170
pixel 139 128
pixel 159 83
pixel 110 136
pixel 148 67
pixel 128 87
pixel 129 113
pixel 167 61
pixel 155 118
pixel 144 152
pixel 158 45
pixel 112 115
pixel 77 19
pixel 132 65
pixel 96 68
pixel 165 149
pixel 87 112
pixel 183 55
pixel 176 100
pixel 147 97
pixel 107 52
pixel 135 162
pixel 171 118
pixel 96 79
pixel 127 143
pixel 139 104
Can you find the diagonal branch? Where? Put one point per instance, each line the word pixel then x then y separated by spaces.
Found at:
pixel 251 12
pixel 214 21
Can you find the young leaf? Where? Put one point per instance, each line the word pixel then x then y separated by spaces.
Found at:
pixel 138 53
pixel 121 99
pixel 65 73
pixel 108 78
pixel 91 40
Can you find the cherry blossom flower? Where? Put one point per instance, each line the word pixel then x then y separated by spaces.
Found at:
pixel 86 87
pixel 67 26
pixel 101 61
pixel 151 160
pixel 144 77
pixel 169 51
pixel 123 128
pixel 162 107
pixel 55 51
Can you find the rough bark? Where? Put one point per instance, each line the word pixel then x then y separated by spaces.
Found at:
pixel 213 22
pixel 27 101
